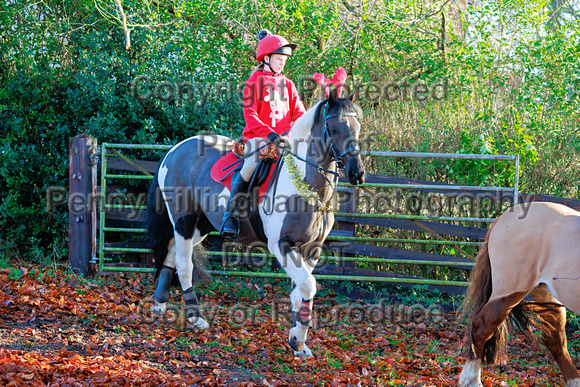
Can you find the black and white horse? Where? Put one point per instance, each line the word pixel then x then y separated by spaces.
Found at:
pixel 185 204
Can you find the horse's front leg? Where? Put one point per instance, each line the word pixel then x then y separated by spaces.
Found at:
pixel 301 298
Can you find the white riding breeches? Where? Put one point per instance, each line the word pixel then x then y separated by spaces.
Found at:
pixel 251 162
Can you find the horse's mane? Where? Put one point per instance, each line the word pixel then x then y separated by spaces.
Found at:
pixel 303 125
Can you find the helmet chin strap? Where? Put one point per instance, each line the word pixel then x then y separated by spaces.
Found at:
pixel 268 64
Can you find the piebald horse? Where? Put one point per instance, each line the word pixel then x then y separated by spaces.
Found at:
pixel 185 204
pixel 532 249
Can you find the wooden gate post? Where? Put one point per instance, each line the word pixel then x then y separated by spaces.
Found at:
pixel 82 220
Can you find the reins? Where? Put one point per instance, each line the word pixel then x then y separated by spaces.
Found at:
pixel 326 138
pixel 276 175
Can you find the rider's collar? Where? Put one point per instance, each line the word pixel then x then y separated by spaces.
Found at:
pixel 271 73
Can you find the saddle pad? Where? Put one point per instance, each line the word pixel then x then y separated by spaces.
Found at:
pixel 217 174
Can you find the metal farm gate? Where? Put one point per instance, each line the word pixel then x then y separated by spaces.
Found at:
pixel 114 220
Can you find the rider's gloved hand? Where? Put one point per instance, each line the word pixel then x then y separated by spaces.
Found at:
pixel 277 139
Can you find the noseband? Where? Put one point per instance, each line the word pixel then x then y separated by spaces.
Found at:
pixel 327 138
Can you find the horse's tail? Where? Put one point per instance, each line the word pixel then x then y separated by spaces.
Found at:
pixel 524 316
pixel 478 294
pixel 158 224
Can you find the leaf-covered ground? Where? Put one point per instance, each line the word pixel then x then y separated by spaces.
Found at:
pixel 59 330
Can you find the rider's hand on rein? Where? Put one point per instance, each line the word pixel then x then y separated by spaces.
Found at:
pixel 279 140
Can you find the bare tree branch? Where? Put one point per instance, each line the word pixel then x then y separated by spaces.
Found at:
pixel 121 13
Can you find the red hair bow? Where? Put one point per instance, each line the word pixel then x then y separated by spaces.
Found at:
pixel 323 82
pixel 338 80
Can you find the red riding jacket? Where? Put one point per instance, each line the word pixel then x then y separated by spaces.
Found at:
pixel 271 104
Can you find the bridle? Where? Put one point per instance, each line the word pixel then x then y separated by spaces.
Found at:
pixel 327 138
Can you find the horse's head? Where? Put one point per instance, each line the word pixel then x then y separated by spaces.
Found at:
pixel 340 134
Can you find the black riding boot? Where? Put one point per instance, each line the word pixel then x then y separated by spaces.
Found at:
pixel 230 224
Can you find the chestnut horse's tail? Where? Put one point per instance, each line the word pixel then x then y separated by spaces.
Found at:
pixel 523 316
pixel 477 296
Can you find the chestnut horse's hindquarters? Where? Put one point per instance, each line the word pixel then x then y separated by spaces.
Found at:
pixel 531 249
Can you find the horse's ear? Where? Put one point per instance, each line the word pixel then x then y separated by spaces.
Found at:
pixel 352 97
pixel 332 96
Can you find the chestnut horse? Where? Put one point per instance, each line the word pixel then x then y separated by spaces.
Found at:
pixel 531 249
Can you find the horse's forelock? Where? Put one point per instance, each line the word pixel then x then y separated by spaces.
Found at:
pixel 303 125
pixel 338 108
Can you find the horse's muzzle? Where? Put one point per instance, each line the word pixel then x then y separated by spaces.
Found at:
pixel 356 178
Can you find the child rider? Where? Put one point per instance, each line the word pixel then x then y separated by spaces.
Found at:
pixel 271 105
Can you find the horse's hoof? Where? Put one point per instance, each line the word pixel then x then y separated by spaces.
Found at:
pixel 295 344
pixel 306 352
pixel 471 374
pixel 573 383
pixel 198 323
pixel 158 309
pixel 469 383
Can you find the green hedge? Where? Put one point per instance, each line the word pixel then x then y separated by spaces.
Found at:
pixel 69 73
pixel 41 110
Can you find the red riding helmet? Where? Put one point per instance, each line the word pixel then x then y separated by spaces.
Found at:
pixel 273 44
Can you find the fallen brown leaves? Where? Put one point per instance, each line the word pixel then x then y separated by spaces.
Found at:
pixel 64 331
pixel 70 369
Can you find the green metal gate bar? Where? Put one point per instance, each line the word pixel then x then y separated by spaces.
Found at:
pixel 132 177
pixel 427 186
pixel 317 276
pixel 412 217
pixel 102 213
pixel 323 258
pixel 339 238
pixel 351 215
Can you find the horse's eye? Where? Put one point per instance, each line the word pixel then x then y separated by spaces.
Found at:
pixel 333 131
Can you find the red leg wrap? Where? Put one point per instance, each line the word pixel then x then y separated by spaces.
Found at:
pixel 305 310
